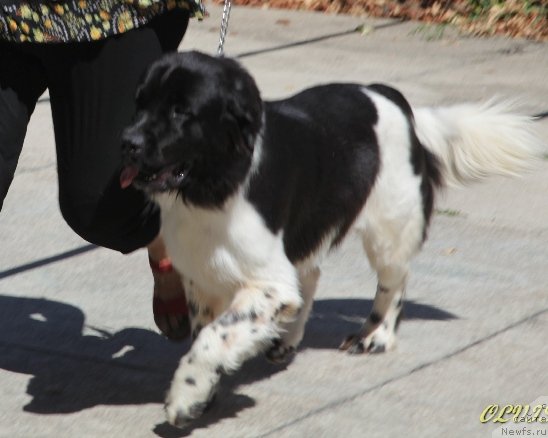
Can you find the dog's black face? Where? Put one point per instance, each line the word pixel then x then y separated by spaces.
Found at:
pixel 196 123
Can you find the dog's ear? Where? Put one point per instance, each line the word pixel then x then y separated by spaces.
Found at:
pixel 153 78
pixel 243 107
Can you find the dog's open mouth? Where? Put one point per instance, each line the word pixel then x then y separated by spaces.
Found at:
pixel 168 178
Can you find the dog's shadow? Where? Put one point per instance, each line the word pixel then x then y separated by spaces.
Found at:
pixel 75 367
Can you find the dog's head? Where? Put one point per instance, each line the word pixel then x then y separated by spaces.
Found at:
pixel 194 131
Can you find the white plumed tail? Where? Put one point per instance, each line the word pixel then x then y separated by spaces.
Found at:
pixel 473 141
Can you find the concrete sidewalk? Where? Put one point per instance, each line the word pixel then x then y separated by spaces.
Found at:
pixel 79 352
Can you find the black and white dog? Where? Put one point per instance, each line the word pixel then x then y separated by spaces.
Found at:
pixel 253 194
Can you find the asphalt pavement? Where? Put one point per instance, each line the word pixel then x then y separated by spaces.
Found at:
pixel 80 355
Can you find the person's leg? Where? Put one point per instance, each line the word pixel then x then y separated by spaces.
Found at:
pixel 92 88
pixel 22 81
pixel 169 302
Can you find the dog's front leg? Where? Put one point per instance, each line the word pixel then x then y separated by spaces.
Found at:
pixel 246 328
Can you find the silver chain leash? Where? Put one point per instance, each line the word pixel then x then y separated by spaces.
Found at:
pixel 224 27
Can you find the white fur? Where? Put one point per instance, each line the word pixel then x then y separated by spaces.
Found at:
pixel 229 256
pixel 392 221
pixel 477 140
pixel 222 250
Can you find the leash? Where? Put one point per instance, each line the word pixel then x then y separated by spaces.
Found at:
pixel 224 27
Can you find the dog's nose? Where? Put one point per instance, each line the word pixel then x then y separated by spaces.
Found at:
pixel 133 144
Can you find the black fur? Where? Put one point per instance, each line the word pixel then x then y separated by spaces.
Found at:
pixel 318 164
pixel 375 318
pixel 198 116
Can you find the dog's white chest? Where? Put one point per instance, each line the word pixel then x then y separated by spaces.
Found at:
pixel 219 249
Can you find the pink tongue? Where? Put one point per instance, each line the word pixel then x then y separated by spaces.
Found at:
pixel 127 176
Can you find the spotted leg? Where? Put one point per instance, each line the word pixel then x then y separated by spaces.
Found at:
pixel 248 325
pixel 378 334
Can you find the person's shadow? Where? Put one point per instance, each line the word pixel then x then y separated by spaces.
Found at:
pixel 73 371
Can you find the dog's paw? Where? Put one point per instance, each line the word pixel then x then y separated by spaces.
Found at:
pixel 180 417
pixel 182 410
pixel 379 341
pixel 280 353
pixel 189 396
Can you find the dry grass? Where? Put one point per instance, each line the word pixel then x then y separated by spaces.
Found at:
pixel 515 18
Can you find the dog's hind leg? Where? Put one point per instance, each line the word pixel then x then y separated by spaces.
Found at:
pixel 389 241
pixel 392 223
pixel 293 332
pixel 378 334
pixel 245 328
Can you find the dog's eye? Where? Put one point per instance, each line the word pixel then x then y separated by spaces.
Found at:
pixel 179 112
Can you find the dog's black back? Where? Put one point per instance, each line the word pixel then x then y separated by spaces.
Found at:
pixel 319 160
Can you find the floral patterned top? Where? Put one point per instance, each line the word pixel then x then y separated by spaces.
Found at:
pixel 52 21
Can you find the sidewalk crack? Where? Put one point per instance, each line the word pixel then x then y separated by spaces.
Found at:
pixel 344 400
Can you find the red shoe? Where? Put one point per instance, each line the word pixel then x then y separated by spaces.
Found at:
pixel 170 315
